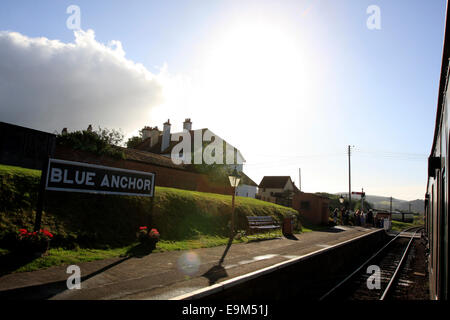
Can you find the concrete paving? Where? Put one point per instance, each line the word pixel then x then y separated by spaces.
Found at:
pixel 162 276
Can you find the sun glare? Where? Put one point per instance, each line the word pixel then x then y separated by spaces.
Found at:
pixel 256 63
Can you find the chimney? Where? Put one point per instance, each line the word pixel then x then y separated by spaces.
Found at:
pixel 187 124
pixel 166 136
pixel 154 136
pixel 146 132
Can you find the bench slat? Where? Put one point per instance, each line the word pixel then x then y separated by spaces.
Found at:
pixel 261 223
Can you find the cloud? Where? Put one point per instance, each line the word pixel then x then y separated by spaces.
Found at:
pixel 47 84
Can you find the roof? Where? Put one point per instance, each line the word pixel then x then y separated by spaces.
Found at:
pixel 443 76
pixel 276 182
pixel 145 145
pixel 151 158
pixel 301 193
pixel 246 180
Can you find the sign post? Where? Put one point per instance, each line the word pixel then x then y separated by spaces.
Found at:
pixel 41 194
pixel 362 194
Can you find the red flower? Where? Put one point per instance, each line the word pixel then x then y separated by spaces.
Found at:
pixel 142 228
pixel 48 234
pixel 153 233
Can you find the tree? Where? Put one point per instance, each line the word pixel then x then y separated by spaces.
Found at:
pixel 135 140
pixel 101 142
pixel 367 206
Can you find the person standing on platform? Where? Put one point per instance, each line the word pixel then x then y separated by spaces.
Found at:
pixel 370 218
pixel 335 216
pixel 363 219
pixel 357 218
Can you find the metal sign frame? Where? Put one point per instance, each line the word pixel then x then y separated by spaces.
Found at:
pixel 100 167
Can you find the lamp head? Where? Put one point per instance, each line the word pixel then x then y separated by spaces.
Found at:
pixel 234 178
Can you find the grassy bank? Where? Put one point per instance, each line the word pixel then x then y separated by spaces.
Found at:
pixel 399 226
pixel 89 226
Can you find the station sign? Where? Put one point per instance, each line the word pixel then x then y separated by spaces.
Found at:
pixel 74 176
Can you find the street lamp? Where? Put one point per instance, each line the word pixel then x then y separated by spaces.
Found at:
pixel 234 181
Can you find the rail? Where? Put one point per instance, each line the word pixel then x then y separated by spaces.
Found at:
pixel 386 291
pixel 344 281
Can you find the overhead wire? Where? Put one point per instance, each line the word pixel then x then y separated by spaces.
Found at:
pixel 287 159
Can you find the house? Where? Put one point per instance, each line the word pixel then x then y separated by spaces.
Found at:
pixel 191 147
pixel 313 207
pixel 247 187
pixel 277 189
pixel 199 142
pixel 282 190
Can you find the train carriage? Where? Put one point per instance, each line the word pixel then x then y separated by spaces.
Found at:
pixel 436 197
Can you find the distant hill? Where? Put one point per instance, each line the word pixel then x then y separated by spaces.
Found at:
pixel 380 202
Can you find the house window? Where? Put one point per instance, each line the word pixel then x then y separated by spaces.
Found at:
pixel 304 205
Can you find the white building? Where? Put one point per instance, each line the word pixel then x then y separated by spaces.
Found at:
pixel 247 187
pixel 170 144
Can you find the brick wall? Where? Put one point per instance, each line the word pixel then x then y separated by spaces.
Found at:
pixel 314 208
pixel 165 177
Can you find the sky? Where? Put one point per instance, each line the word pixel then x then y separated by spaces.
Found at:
pixel 289 83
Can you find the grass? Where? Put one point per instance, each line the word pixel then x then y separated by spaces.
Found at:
pixel 399 226
pixel 19 171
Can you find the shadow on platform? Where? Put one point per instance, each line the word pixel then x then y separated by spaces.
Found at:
pixel 215 273
pixel 48 290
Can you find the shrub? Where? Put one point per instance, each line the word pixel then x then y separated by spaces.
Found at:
pixel 101 142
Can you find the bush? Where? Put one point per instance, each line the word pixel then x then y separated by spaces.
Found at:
pixel 101 142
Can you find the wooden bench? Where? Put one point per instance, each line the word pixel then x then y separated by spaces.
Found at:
pixel 259 224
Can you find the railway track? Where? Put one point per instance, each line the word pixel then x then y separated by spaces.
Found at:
pixel 387 275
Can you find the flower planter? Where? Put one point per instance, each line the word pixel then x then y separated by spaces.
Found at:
pixel 148 238
pixel 33 244
pixel 151 243
pixel 33 249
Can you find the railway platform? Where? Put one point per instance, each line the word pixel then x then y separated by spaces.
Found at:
pixel 168 275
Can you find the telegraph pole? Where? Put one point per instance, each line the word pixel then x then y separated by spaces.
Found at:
pixel 299 179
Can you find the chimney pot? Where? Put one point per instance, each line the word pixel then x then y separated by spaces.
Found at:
pixel 166 136
pixel 187 124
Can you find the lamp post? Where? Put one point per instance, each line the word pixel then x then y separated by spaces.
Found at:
pixel 234 181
